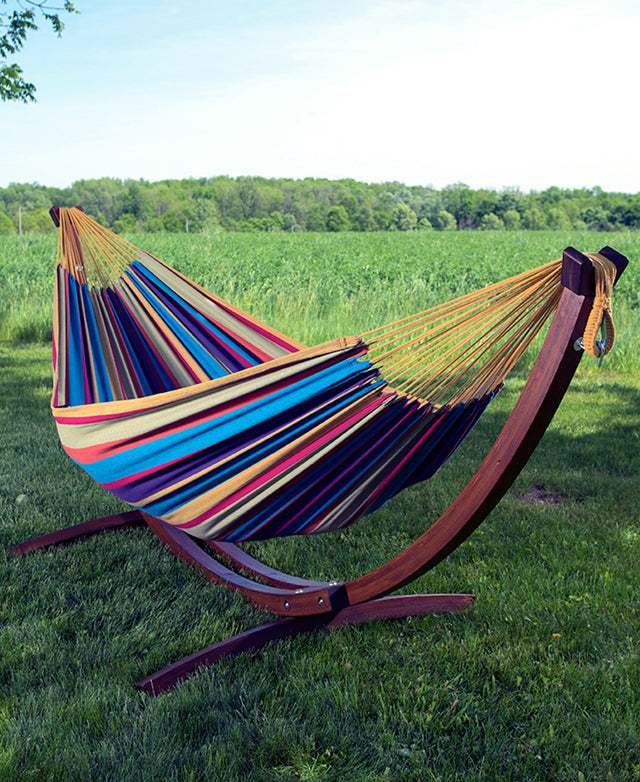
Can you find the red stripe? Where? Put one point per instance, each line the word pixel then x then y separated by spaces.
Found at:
pixel 281 466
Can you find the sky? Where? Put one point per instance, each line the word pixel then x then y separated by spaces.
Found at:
pixel 500 94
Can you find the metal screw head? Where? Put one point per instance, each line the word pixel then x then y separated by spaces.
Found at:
pixel 321 601
pixel 286 604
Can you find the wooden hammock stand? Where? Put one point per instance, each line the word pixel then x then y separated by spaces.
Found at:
pixel 305 605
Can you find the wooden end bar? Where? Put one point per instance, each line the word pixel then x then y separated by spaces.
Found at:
pixel 578 274
pixel 55 214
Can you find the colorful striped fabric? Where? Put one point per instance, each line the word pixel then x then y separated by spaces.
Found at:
pixel 190 410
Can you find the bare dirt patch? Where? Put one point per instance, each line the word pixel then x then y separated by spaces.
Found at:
pixel 540 495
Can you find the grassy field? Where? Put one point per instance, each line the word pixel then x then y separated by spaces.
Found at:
pixel 539 680
pixel 318 286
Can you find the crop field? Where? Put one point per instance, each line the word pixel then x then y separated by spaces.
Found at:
pixel 318 286
pixel 538 680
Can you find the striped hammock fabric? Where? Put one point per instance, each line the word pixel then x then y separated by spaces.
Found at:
pixel 192 411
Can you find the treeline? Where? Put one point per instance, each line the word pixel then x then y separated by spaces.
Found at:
pixel 259 204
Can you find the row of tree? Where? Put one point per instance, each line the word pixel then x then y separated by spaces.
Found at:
pixel 259 204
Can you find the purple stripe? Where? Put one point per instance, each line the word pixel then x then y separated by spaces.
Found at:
pixel 141 488
pixel 336 474
pixel 214 345
pixel 443 451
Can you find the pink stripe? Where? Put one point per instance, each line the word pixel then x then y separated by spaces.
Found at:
pixel 281 466
pixel 67 322
pixel 54 358
pixel 264 357
pixel 401 464
pixel 115 325
pixel 222 408
pixel 142 333
pixel 107 304
pixel 336 480
pixel 259 328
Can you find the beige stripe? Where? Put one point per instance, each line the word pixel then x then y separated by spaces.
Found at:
pixel 148 326
pixel 124 377
pixel 216 526
pixel 105 345
pixel 175 409
pixel 135 406
pixel 167 336
pixel 205 302
pixel 219 464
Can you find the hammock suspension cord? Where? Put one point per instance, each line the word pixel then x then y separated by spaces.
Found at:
pixel 454 351
pixel 601 315
pixel 448 354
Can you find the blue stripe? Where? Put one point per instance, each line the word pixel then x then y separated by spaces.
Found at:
pixel 175 446
pixel 75 362
pixel 124 331
pixel 103 385
pixel 209 365
pixel 155 374
pixel 176 499
pixel 270 521
pixel 221 336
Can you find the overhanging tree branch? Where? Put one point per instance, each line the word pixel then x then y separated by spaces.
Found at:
pixel 15 25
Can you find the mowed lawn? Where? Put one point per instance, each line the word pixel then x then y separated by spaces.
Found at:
pixel 538 680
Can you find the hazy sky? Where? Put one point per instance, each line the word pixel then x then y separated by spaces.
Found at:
pixel 495 93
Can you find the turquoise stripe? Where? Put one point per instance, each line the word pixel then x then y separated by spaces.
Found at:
pixel 153 454
pixel 99 367
pixel 216 331
pixel 176 499
pixel 210 366
pixel 321 475
pixel 75 360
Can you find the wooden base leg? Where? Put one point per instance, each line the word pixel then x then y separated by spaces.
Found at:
pixel 392 607
pixel 77 531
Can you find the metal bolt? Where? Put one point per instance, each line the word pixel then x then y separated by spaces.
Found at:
pixel 321 601
pixel 286 604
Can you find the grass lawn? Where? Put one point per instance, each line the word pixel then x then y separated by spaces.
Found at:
pixel 538 680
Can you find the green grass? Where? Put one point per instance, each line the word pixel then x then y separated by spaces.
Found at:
pixel 319 286
pixel 539 680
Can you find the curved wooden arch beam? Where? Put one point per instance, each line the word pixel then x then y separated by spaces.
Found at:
pixel 532 414
pixel 520 435
pixel 300 598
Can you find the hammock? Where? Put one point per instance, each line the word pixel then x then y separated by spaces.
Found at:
pixel 201 416
pixel 211 423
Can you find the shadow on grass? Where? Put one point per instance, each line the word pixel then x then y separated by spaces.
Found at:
pixel 40 488
pixel 81 624
pixel 591 450
pixel 593 440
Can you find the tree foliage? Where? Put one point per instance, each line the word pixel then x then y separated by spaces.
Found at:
pixel 21 18
pixel 259 204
